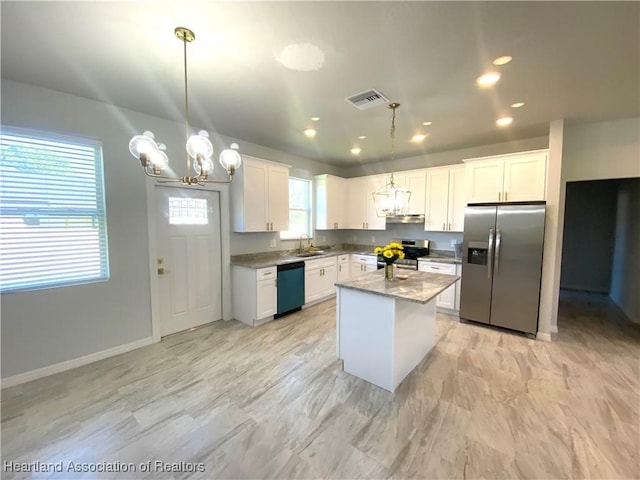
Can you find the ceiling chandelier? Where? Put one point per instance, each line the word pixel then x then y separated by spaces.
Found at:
pixel 392 200
pixel 152 155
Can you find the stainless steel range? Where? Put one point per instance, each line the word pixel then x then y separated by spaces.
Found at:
pixel 413 249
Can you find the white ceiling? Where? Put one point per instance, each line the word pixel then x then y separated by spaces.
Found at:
pixel 573 60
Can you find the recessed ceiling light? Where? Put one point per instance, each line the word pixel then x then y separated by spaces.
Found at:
pixel 418 138
pixel 315 119
pixel 504 121
pixel 517 105
pixel 310 132
pixel 502 60
pixel 356 150
pixel 426 124
pixel 488 79
pixel 362 137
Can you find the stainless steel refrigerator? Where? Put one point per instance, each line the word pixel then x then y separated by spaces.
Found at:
pixel 502 264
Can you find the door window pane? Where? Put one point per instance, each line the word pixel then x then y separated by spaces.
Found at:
pixel 188 211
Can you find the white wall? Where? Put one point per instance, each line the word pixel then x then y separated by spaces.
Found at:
pixel 46 327
pixel 602 150
pixel 589 230
pixel 625 277
pixel 591 151
pixel 447 158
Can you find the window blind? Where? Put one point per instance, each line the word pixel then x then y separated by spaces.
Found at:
pixel 53 228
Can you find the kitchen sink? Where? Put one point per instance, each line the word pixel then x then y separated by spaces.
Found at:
pixel 309 254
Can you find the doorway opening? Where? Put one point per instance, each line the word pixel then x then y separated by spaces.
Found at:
pixel 600 270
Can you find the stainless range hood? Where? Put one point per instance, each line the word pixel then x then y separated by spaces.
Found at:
pixel 414 218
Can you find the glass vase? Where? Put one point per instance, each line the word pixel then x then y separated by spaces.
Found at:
pixel 388 271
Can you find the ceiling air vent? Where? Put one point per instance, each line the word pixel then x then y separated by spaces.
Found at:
pixel 367 99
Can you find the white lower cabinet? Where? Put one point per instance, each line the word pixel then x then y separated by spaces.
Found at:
pixel 448 298
pixel 458 283
pixel 361 264
pixel 320 275
pixel 254 294
pixel 344 265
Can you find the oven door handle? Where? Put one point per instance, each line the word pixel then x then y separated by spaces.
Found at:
pixel 406 267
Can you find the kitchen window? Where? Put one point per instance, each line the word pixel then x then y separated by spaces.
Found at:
pixel 299 209
pixel 53 229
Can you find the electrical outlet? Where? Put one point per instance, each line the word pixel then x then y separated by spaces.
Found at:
pixel 453 242
pixel 353 238
pixel 323 239
pixel 273 243
pixel 373 239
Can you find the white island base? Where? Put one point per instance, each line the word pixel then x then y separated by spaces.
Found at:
pixel 381 339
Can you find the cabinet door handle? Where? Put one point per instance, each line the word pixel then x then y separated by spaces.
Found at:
pixel 339 268
pixel 443 226
pixel 367 225
pixel 267 225
pixel 449 225
pixel 506 194
pixel 499 196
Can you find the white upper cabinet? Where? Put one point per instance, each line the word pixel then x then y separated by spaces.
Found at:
pixel 414 181
pixel 485 179
pixel 331 211
pixel 445 199
pixel 457 198
pixel 356 202
pixel 361 211
pixel 525 177
pixel 517 177
pixel 260 196
pixel 373 221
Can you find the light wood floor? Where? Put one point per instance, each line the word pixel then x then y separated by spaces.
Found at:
pixel 272 402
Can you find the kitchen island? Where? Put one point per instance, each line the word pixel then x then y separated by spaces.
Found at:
pixel 384 328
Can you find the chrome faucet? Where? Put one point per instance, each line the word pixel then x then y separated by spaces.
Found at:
pixel 308 240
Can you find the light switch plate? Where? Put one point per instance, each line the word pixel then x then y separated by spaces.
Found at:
pixel 273 243
pixel 323 238
pixel 373 239
pixel 453 242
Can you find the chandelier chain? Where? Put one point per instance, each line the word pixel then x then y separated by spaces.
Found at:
pixel 186 99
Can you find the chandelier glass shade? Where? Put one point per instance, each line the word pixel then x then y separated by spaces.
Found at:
pixel 199 149
pixel 392 199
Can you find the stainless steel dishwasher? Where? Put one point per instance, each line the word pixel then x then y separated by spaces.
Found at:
pixel 290 288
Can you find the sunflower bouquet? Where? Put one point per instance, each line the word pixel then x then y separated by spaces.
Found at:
pixel 390 253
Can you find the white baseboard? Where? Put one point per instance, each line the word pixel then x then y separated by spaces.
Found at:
pixel 76 362
pixel 543 336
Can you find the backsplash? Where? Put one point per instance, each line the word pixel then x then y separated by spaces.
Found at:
pixel 438 240
pixel 243 243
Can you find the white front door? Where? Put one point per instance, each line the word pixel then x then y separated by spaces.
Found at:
pixel 189 258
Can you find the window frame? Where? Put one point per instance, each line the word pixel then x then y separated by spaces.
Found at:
pixel 285 235
pixel 55 214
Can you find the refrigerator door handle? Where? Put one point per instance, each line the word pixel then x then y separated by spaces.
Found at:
pixel 490 253
pixel 498 239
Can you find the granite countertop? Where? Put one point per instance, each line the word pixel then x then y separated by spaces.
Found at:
pixel 268 259
pixel 441 256
pixel 419 287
